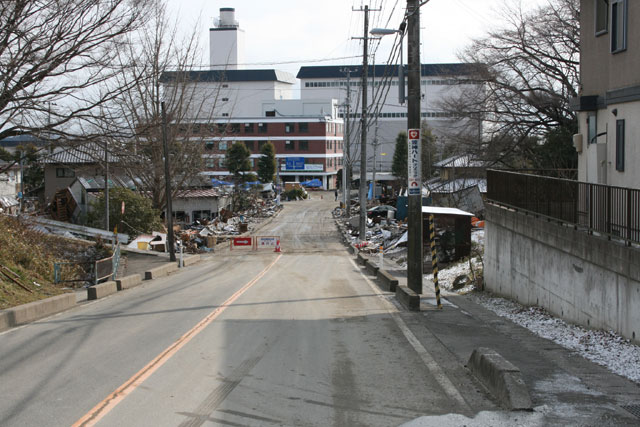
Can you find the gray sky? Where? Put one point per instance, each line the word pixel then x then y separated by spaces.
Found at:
pixel 286 34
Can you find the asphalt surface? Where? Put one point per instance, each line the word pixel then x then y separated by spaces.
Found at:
pixel 260 338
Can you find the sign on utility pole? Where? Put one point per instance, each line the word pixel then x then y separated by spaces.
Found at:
pixel 413 163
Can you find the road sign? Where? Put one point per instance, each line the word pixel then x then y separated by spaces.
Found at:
pixel 242 241
pixel 414 164
pixel 266 241
pixel 294 164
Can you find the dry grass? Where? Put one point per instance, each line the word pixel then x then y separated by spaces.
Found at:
pixel 31 255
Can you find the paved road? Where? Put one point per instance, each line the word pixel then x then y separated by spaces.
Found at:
pixel 303 339
pixel 248 338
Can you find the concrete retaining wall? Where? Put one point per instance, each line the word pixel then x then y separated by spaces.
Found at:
pixel 388 282
pixel 38 309
pixel 101 290
pixel 371 267
pixel 585 279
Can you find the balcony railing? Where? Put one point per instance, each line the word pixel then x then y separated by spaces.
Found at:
pixel 604 209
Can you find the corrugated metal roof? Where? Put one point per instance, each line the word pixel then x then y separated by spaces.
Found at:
pixel 463 161
pixel 436 210
pixel 7 202
pixel 232 76
pixel 458 184
pixel 97 182
pixel 88 153
pixel 338 71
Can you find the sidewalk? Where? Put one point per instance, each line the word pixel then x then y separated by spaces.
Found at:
pixel 565 388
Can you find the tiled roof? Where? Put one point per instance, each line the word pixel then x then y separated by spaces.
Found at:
pixel 464 161
pixel 198 194
pixel 82 154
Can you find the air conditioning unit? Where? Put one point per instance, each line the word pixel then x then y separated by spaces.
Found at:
pixel 577 142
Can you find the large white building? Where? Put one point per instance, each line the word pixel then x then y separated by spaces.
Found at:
pixel 439 81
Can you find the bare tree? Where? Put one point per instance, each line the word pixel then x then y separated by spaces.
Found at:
pixel 55 56
pixel 158 66
pixel 529 69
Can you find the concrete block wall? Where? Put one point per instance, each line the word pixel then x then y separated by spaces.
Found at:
pixel 587 280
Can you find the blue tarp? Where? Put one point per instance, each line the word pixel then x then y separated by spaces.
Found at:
pixel 314 183
pixel 218 183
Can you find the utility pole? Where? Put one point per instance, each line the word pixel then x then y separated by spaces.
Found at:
pixel 167 186
pixel 106 187
pixel 346 164
pixel 414 236
pixel 363 129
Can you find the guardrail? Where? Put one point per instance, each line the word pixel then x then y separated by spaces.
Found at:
pixel 612 211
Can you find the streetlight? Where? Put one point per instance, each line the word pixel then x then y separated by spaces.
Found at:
pixel 380 32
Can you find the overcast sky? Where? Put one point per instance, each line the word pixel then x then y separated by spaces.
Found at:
pixel 286 34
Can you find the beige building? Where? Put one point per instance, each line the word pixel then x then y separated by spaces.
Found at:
pixel 608 104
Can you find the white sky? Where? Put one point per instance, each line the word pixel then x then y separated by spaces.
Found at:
pixel 285 34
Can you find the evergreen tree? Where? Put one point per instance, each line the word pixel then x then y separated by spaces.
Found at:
pixel 400 154
pixel 237 161
pixel 267 163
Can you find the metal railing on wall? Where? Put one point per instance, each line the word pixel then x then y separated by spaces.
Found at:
pixel 608 210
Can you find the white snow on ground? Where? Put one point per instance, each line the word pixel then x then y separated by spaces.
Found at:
pixel 602 347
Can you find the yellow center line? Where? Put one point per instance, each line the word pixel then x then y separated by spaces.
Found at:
pixel 103 408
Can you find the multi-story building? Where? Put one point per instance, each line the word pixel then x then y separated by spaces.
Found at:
pixel 439 82
pixel 307 146
pixel 255 106
pixel 608 104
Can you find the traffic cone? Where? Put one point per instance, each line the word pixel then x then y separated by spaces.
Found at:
pixel 278 246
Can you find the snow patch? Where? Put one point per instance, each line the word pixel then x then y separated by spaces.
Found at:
pixel 605 348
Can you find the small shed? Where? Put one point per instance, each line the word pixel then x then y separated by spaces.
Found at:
pixel 453 231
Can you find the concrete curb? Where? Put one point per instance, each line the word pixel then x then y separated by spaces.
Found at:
pixel 128 282
pixel 361 259
pixel 4 321
pixel 371 267
pixel 102 290
pixel 161 271
pixel 32 311
pixel 502 378
pixel 190 260
pixel 388 282
pixel 408 298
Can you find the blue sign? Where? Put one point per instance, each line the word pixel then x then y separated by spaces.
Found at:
pixel 295 164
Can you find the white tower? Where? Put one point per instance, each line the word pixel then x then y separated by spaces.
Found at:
pixel 226 42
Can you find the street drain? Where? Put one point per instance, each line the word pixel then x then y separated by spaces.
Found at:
pixel 634 409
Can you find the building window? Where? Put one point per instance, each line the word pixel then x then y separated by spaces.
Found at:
pixel 221 163
pixel 303 127
pixel 248 128
pixel 289 127
pixel 222 145
pixel 235 127
pixel 225 99
pixel 620 145
pixel 261 144
pixel 592 129
pixel 209 145
pixel 262 128
pixel 618 25
pixel 195 128
pixel 252 163
pixel 222 127
pixel 210 163
pixel 65 173
pixel 303 145
pixel 225 114
pixel 289 145
pixel 249 145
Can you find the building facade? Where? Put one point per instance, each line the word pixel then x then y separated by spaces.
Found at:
pixel 608 104
pixel 387 116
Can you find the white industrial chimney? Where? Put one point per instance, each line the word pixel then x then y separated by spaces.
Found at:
pixel 226 42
